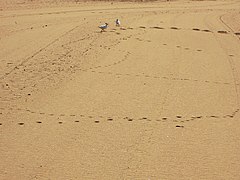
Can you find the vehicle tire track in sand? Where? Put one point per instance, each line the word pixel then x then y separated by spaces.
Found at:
pixel 110 9
pixel 48 66
pixel 230 60
pixel 37 52
pixel 235 70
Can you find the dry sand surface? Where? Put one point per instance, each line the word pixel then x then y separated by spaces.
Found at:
pixel 157 98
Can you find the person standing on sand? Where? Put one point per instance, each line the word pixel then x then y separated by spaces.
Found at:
pixel 118 22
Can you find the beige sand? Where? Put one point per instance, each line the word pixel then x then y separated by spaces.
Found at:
pixel 157 98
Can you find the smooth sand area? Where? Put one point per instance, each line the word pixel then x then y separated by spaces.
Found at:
pixel 157 98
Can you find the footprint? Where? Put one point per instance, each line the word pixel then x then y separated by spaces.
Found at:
pixel 156 27
pixel 0 124
pixel 206 30
pixel 231 116
pixel 214 116
pixel 222 32
pixel 39 122
pixel 196 117
pixel 143 27
pixel 130 119
pixel 21 123
pixel 237 33
pixel 60 122
pixel 178 126
pixel 175 28
pixel 179 117
pixel 199 50
pixel 96 121
pixel 76 121
pixel 138 39
pixel 196 29
pixel 110 119
pixel 164 118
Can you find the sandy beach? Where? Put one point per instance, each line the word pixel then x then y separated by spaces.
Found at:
pixel 156 98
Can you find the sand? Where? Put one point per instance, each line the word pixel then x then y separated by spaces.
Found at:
pixel 157 98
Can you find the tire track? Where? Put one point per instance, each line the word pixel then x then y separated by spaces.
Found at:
pixel 37 52
pixel 230 60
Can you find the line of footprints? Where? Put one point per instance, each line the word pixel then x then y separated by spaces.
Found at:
pixel 92 70
pixel 177 119
pixel 164 77
pixel 177 46
pixel 177 28
pixel 193 29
